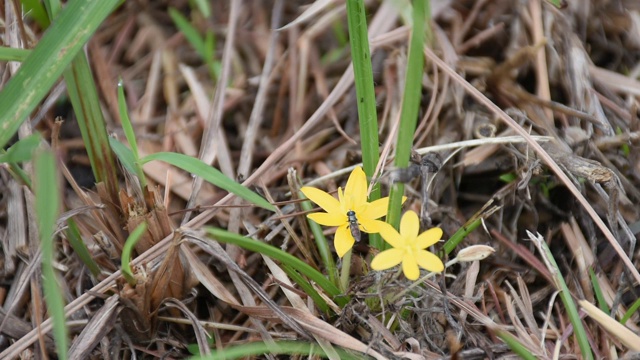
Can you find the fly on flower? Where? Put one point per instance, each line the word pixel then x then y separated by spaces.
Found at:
pixel 353 225
pixel 350 212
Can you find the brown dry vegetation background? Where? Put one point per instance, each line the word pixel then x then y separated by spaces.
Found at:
pixel 287 107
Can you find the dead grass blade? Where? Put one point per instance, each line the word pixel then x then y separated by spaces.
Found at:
pixel 542 153
pixel 626 336
pixel 98 327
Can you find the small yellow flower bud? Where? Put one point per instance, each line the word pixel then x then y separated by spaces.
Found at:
pixel 475 252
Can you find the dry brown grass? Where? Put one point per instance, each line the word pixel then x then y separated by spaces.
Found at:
pixel 284 101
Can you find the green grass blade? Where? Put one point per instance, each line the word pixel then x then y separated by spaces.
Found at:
pixel 46 62
pixel 47 202
pixel 205 47
pixel 565 296
pixel 321 243
pixel 634 307
pixel 124 154
pixel 602 303
pixel 516 346
pixel 52 8
pixel 278 348
pixel 84 98
pixel 11 54
pixel 127 127
pixel 21 151
pixel 210 174
pixel 410 106
pixel 35 10
pixel 307 288
pixel 80 248
pixel 190 33
pixel 284 257
pixel 127 250
pixel 366 97
pixel 203 6
pixel 462 233
pixel 86 104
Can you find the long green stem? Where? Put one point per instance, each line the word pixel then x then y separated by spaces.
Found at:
pixel 366 97
pixel 345 270
pixel 410 107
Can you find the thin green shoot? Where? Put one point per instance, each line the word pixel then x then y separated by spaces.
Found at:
pixel 35 10
pixel 204 46
pixel 127 127
pixel 13 54
pixel 127 250
pixel 321 242
pixel 204 7
pixel 627 315
pixel 366 97
pixel 410 107
pixel 19 152
pixel 508 177
pixel 459 235
pixel 565 296
pixel 515 345
pixel 210 174
pixel 278 348
pixel 281 256
pixel 124 154
pixel 80 248
pixel 307 288
pixel 602 303
pixel 47 202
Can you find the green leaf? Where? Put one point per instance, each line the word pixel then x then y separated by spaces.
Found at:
pixel 210 174
pixel 366 97
pixel 80 248
pixel 634 307
pixel 127 127
pixel 21 150
pixel 284 257
pixel 47 201
pixel 190 33
pixel 35 10
pixel 127 250
pixel 42 68
pixel 203 6
pixel 254 349
pixel 597 291
pixel 412 95
pixel 12 54
pixel 124 154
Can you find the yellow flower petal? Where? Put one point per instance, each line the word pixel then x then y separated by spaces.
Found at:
pixel 429 261
pixel 327 202
pixel 428 238
pixel 409 225
pixel 378 208
pixel 410 267
pixel 343 206
pixel 328 219
pixel 356 189
pixel 390 235
pixel 387 259
pixel 371 226
pixel 343 241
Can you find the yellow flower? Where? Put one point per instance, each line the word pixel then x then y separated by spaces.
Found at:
pixel 409 248
pixel 351 205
